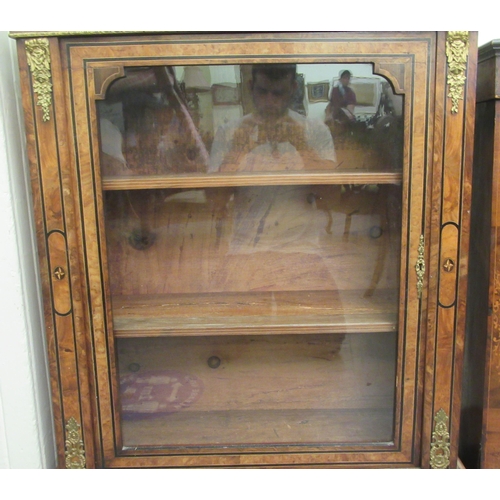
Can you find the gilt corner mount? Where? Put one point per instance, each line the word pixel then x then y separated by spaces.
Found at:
pixel 38 55
pixel 457 47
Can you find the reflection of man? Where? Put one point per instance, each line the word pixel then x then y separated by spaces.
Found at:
pixel 342 100
pixel 273 138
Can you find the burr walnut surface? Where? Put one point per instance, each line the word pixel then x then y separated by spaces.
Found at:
pixel 250 318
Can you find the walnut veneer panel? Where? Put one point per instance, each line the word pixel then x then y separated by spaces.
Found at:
pixel 92 311
pixel 480 435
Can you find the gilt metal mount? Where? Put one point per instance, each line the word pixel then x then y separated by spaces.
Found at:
pixel 38 54
pixel 420 267
pixel 440 445
pixel 75 452
pixel 457 48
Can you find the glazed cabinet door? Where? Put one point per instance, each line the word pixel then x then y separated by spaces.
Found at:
pixel 254 213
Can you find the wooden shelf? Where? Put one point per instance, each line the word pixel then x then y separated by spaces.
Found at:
pixel 117 183
pixel 272 428
pixel 254 313
pixel 277 389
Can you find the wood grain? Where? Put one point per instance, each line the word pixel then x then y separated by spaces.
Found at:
pixel 270 389
pixel 250 313
pixel 480 432
pixel 153 271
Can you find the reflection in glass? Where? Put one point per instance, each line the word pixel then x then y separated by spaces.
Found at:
pixel 250 118
pixel 253 314
pixel 273 137
pixel 250 390
pixel 257 288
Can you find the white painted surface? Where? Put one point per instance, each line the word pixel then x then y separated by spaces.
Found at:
pixel 26 437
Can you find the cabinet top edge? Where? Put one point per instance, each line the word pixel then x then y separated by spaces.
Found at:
pixel 489 50
pixel 36 34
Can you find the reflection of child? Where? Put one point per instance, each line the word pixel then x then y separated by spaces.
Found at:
pixel 342 100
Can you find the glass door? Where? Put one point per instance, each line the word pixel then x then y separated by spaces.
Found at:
pixel 253 220
pixel 252 207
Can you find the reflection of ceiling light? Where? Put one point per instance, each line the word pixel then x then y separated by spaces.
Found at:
pixel 197 78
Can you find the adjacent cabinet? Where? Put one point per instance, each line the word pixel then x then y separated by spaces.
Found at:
pixel 253 246
pixel 480 432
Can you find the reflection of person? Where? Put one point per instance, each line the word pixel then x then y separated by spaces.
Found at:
pixel 342 100
pixel 273 138
pixel 146 126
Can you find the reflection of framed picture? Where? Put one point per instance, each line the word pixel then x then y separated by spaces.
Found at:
pixel 318 92
pixel 226 94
